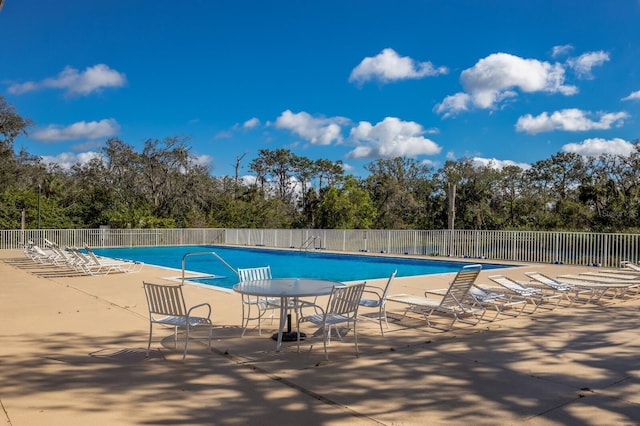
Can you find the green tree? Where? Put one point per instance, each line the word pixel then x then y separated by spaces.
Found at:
pixel 346 207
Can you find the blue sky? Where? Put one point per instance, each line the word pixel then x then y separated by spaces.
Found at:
pixel 494 80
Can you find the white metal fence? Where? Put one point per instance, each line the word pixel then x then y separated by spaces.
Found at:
pixel 578 248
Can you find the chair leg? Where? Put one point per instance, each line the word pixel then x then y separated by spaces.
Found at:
pixel 210 335
pixel 355 335
pixel 150 333
pixel 383 314
pixel 327 336
pixel 186 342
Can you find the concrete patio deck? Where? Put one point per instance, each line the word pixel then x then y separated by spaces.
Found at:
pixel 73 353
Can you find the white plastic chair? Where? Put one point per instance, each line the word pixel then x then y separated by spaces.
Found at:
pixel 342 308
pixel 376 297
pixel 167 307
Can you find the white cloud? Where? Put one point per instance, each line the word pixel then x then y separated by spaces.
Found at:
pixel 318 131
pixel 595 147
pixel 572 120
pixel 496 78
pixel 635 96
pixel 249 180
pixel 388 66
pixel 75 82
pixel 498 164
pixel 561 50
pixel 66 160
pixel 203 160
pixel 391 138
pixel 347 167
pixel 454 104
pixel 583 64
pixel 251 123
pixel 225 134
pixel 80 130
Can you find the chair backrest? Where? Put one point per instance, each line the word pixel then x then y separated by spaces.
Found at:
pixel 165 300
pixel 514 286
pixel 252 274
pixel 461 284
pixel 79 256
pixel 630 265
pixel 548 281
pixel 345 300
pixel 386 289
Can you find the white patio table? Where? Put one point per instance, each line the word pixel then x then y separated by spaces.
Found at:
pixel 286 289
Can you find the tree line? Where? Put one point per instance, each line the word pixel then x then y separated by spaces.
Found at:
pixel 163 186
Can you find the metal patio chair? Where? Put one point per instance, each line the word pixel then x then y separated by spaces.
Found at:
pixel 254 308
pixel 167 307
pixel 376 297
pixel 341 308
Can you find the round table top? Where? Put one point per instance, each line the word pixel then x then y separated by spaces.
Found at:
pixel 287 287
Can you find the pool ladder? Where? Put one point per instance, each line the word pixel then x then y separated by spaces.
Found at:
pixel 200 253
pixel 311 240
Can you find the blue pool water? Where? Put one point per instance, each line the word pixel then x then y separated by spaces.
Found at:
pixel 284 263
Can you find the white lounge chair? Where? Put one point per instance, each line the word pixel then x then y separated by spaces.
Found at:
pixel 615 287
pixel 341 308
pixel 504 303
pixel 630 265
pixel 111 264
pixel 534 295
pixel 454 303
pixel 376 297
pixel 571 291
pixel 167 307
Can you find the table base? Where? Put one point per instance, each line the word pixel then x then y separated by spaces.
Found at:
pixel 289 336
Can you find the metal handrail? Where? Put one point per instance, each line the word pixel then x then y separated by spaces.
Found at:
pixel 198 253
pixel 307 243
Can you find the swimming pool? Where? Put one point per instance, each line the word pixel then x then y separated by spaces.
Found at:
pixel 284 263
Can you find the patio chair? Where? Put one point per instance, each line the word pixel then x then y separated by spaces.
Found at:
pixel 454 302
pixel 259 305
pixel 341 308
pixel 376 297
pixel 167 307
pixel 572 292
pixel 534 295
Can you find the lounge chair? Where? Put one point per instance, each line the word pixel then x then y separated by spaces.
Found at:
pixel 341 308
pixel 166 306
pixel 617 286
pixel 534 295
pixel 454 303
pixel 111 264
pixel 504 303
pixel 571 291
pixel 630 265
pixel 39 254
pixel 83 263
pixel 376 297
